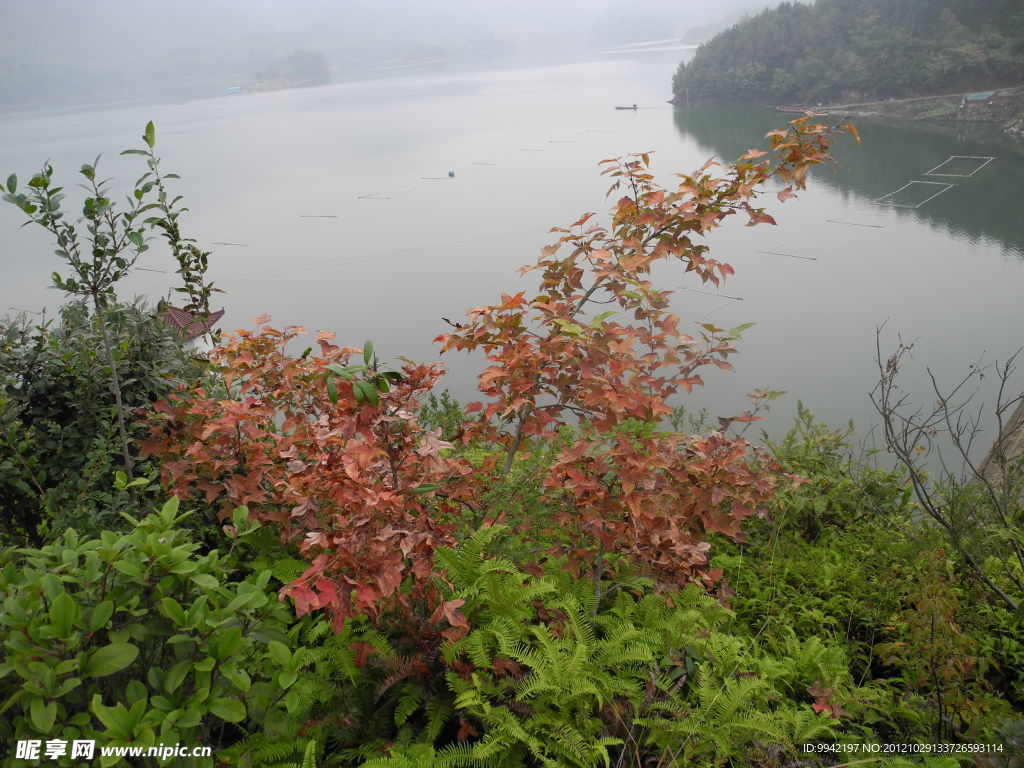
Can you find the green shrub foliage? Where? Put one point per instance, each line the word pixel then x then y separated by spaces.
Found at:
pixel 59 449
pixel 140 639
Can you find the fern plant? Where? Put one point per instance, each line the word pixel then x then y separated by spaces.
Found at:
pixel 308 758
pixel 546 677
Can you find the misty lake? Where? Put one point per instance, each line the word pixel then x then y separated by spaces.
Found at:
pixel 332 208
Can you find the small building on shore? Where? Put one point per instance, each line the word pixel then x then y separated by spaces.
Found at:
pixel 193 328
pixel 991 106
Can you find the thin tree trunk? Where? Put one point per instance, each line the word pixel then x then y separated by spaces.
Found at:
pixel 115 387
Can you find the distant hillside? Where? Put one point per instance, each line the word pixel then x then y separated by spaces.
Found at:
pixel 851 50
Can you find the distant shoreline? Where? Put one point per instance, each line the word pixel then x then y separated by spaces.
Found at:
pixel 1002 105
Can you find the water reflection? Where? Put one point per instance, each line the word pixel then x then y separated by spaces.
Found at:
pixel 982 205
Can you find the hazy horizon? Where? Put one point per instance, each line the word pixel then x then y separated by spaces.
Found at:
pixel 70 53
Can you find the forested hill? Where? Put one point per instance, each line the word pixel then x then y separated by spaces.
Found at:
pixel 852 50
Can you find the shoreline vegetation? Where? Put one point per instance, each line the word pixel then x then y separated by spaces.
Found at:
pixel 319 558
pixel 905 59
pixel 1004 106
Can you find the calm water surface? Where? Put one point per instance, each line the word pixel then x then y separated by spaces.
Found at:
pixel 332 208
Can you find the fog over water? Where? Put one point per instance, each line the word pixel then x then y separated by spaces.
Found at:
pixel 332 207
pixel 70 52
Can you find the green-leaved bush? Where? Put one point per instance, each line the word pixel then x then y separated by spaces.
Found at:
pixel 140 639
pixel 59 447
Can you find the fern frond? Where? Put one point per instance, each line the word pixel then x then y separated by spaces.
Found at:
pixel 409 701
pixel 309 757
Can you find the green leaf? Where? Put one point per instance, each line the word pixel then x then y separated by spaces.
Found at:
pixel 279 652
pixel 63 614
pixel 231 710
pixel 365 392
pixel 114 718
pixel 162 703
pixel 43 714
pixel 67 686
pixel 101 615
pixel 286 679
pixel 169 511
pixel 174 611
pixel 135 691
pixel 423 488
pixel 267 634
pixel 17 696
pixel 12 183
pixel 150 135
pixel 332 390
pixel 197 609
pixel 570 328
pixel 176 675
pixel 110 659
pixel 237 676
pixel 740 328
pixel 228 643
pixel 242 600
pixel 240 515
pixel 190 719
pixel 205 580
pixel 367 351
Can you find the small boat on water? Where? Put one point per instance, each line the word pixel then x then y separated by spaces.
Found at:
pixel 633 107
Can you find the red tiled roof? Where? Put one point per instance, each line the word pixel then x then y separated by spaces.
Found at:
pixel 187 324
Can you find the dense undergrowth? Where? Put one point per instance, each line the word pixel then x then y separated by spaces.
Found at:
pixel 314 558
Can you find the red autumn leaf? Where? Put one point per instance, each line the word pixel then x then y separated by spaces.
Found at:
pixel 506 666
pixel 362 652
pixel 819 690
pixel 450 610
pixel 466 731
pixel 759 217
pixel 839 711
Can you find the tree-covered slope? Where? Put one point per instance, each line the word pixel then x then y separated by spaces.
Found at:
pixel 859 49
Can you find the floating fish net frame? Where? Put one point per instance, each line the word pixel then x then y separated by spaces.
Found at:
pixel 821 240
pixel 894 197
pixel 956 162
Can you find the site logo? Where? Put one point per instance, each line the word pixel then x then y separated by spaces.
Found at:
pixel 52 749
